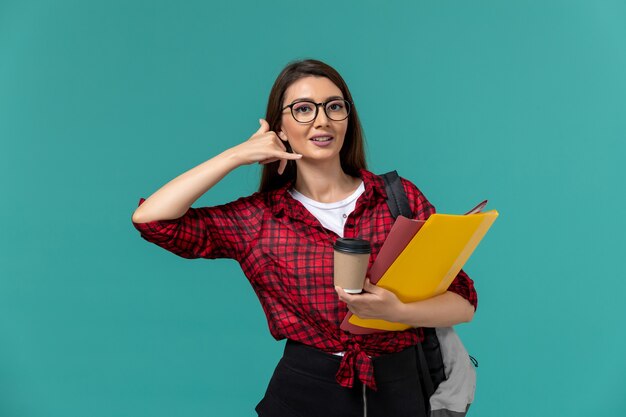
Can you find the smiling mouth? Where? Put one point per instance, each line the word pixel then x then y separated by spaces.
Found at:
pixel 322 139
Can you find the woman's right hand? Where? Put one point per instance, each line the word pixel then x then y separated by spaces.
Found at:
pixel 264 147
pixel 172 200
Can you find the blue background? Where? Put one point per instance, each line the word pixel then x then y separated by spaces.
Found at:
pixel 101 103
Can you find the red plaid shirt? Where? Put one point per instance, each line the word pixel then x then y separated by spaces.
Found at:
pixel 287 256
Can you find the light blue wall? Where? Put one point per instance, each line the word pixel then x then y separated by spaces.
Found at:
pixel 101 103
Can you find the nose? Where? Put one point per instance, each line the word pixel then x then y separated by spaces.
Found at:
pixel 321 118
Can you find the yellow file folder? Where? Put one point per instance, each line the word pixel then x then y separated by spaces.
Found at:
pixel 430 261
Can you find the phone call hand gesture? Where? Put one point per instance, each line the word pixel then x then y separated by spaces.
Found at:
pixel 265 147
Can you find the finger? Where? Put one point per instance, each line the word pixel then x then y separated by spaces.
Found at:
pixel 371 288
pixel 281 144
pixel 348 298
pixel 265 127
pixel 288 155
pixel 343 296
pixel 368 285
pixel 268 161
pixel 283 157
pixel 282 166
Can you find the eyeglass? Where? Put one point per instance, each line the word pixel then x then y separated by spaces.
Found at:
pixel 306 111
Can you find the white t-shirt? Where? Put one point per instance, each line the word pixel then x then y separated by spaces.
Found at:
pixel 332 216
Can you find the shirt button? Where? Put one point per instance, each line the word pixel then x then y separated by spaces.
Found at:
pixel 345 216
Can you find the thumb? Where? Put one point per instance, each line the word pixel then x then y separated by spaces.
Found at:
pixel 369 287
pixel 265 127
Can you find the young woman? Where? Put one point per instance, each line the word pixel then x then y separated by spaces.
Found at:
pixel 314 188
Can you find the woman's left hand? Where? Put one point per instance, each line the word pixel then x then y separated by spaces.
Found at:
pixel 374 303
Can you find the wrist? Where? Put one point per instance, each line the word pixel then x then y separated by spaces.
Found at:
pixel 401 314
pixel 233 157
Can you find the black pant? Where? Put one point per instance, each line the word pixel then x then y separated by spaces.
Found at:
pixel 304 385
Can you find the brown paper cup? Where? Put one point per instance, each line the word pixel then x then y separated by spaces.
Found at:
pixel 351 260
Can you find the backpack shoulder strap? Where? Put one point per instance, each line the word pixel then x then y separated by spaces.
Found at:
pixel 397 200
pixel 429 357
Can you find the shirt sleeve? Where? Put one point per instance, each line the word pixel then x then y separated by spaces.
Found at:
pixel 223 231
pixel 422 209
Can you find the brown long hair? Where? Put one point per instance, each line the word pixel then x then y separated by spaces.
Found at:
pixel 352 154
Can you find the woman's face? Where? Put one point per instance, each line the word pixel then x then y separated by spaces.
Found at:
pixel 322 138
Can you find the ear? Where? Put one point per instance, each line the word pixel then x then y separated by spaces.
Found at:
pixel 283 136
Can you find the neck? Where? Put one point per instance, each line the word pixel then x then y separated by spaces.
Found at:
pixel 326 183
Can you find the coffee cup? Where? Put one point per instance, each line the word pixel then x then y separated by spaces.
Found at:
pixel 351 261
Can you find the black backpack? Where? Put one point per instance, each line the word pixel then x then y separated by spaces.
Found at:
pixel 429 358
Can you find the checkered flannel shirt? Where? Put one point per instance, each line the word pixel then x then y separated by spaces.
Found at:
pixel 287 256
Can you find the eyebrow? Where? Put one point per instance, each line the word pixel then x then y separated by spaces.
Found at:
pixel 310 99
